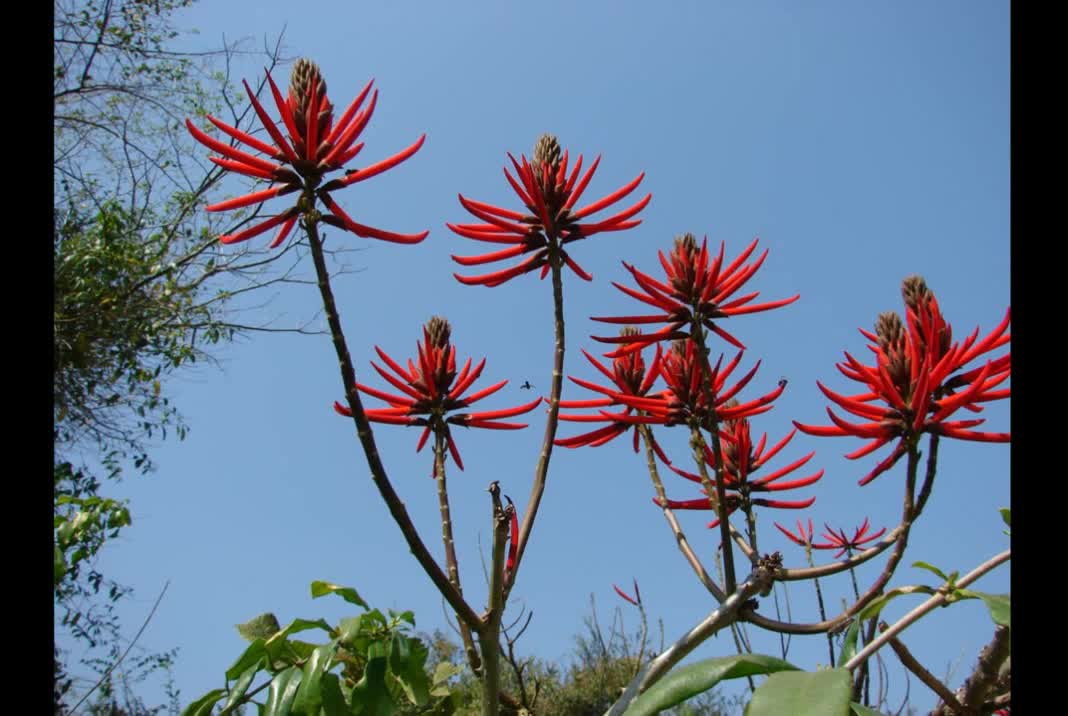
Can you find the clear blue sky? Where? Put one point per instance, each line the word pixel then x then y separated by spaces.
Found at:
pixel 862 142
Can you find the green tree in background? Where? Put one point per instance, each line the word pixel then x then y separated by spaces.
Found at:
pixel 141 290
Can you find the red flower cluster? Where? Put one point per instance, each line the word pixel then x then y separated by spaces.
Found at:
pixel 433 388
pixel 836 539
pixel 630 377
pixel 549 194
pixel 696 292
pixel 915 380
pixel 682 368
pixel 739 459
pixel 316 146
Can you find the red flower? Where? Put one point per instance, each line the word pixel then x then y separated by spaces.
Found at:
pixel 839 540
pixel 513 543
pixel 802 538
pixel 914 378
pixel 630 377
pixel 684 400
pixel 550 221
pixel 696 292
pixel 316 146
pixel 636 600
pixel 739 460
pixel 734 501
pixel 433 388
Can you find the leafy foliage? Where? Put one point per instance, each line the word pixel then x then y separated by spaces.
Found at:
pixel 371 664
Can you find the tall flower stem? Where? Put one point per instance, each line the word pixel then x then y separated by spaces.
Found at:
pixel 451 562
pixel 669 515
pixel 819 602
pixel 929 476
pixel 698 336
pixel 367 441
pixel 542 470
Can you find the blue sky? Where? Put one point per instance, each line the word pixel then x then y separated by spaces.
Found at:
pixel 862 142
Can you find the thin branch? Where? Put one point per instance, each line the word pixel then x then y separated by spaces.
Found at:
pixel 137 636
pixel 936 600
pixel 910 663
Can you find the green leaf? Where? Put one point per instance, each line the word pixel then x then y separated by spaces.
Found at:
pixel 876 605
pixel 319 589
pixel 252 656
pixel 204 705
pixel 803 693
pixel 407 660
pixel 931 568
pixel 59 564
pixel 701 676
pixel 281 692
pixel 998 604
pixel 279 646
pixel 333 698
pixel 862 710
pixel 309 696
pixel 262 627
pixel 849 645
pixel 239 688
pixel 1006 514
pixel 370 697
pixel 444 671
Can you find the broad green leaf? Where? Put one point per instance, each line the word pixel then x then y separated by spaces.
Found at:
pixel 280 647
pixel 1006 515
pixel 701 676
pixel 442 673
pixel 931 568
pixel 862 710
pixel 998 604
pixel 281 692
pixel 407 660
pixel 262 627
pixel 309 696
pixel 803 693
pixel 252 656
pixel 333 699
pixel 319 589
pixel 349 629
pixel 205 704
pixel 876 605
pixel 849 644
pixel 370 697
pixel 237 691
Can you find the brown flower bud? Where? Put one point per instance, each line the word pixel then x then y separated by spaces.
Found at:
pixel 304 76
pixel 547 151
pixel 439 331
pixel 890 330
pixel 915 292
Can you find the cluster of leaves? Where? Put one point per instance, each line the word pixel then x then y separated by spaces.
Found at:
pixel 373 664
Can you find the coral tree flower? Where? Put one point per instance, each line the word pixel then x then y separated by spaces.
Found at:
pixel 843 543
pixel 550 221
pixel 916 380
pixel 629 376
pixel 432 389
pixel 802 538
pixel 315 146
pixel 697 290
pixel 739 459
pixel 684 402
